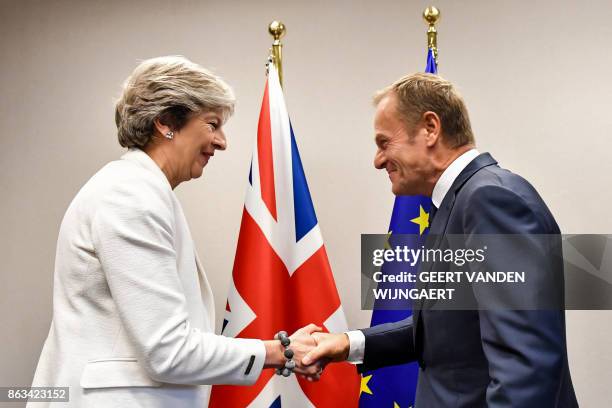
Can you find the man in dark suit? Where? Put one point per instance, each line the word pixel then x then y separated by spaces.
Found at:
pixel 467 358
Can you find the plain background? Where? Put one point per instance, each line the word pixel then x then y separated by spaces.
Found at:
pixel 535 77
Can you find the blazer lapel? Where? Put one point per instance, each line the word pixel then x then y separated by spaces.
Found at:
pixel 138 156
pixel 206 291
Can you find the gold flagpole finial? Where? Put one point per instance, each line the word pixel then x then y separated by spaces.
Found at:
pixel 277 30
pixel 431 15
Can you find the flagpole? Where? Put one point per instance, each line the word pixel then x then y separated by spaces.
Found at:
pixel 277 30
pixel 431 15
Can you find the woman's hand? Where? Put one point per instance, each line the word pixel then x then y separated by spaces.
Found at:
pixel 302 343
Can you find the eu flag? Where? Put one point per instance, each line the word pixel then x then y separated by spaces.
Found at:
pixel 395 386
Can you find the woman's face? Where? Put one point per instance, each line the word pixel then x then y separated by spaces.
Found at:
pixel 196 143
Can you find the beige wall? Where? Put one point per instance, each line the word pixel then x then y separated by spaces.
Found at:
pixel 534 77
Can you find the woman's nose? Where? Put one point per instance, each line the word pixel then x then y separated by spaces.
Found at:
pixel 220 143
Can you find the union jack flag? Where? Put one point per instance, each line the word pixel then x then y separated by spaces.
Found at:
pixel 281 278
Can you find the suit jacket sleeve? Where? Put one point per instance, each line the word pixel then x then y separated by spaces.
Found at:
pixel 525 349
pixel 388 344
pixel 133 235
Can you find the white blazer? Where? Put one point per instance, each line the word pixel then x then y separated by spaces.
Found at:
pixel 133 313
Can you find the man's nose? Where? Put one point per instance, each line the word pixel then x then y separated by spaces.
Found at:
pixel 220 143
pixel 379 160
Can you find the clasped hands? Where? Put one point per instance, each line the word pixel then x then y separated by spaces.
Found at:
pixel 312 351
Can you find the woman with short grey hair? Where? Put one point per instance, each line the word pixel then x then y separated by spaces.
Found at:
pixel 133 313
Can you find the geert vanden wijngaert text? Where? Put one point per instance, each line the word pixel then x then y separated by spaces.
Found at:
pixel 411 257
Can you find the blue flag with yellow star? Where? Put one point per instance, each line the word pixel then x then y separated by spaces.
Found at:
pixel 395 386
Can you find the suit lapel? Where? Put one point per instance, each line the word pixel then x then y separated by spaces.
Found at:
pixel 440 221
pixel 438 227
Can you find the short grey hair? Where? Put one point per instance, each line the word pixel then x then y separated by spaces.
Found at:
pixel 170 89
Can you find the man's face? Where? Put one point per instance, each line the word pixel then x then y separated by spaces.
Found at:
pixel 402 152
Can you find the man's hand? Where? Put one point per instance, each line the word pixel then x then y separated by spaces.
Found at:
pixel 331 347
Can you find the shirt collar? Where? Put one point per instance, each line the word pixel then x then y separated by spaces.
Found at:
pixel 136 155
pixel 449 175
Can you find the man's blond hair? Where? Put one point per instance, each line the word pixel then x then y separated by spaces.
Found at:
pixel 420 93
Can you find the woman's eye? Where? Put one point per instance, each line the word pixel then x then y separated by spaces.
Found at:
pixel 214 126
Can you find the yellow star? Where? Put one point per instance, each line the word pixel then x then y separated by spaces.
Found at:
pixel 422 220
pixel 364 385
pixel 395 405
pixel 387 245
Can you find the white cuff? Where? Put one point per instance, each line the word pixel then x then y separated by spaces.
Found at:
pixel 357 346
pixel 255 363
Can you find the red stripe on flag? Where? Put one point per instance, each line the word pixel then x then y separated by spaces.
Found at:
pixel 283 302
pixel 264 154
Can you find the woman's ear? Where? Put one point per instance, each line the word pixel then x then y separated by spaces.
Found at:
pixel 161 128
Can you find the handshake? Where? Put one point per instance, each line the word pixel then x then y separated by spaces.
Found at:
pixel 306 352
